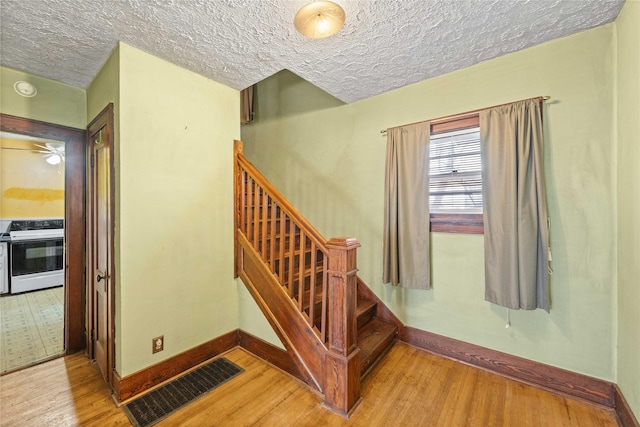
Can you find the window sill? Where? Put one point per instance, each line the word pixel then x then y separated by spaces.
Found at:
pixel 457 223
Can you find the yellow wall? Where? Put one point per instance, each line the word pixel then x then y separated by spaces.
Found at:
pixel 29 186
pixel 628 109
pixel 329 162
pixel 55 102
pixel 175 200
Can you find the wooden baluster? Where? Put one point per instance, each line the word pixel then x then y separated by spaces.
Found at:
pixel 272 232
pixel 283 240
pixel 264 225
pixel 256 217
pixel 301 271
pixel 292 254
pixel 243 202
pixel 250 209
pixel 342 361
pixel 325 297
pixel 312 285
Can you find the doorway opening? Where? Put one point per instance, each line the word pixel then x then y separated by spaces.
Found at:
pixel 32 184
pixel 42 307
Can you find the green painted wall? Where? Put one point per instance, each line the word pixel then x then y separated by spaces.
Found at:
pixel 329 161
pixel 301 97
pixel 105 89
pixel 628 109
pixel 55 102
pixel 175 209
pixel 250 318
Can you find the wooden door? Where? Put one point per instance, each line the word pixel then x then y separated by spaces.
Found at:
pixel 100 264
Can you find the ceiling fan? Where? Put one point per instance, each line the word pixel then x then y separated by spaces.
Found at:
pixel 53 152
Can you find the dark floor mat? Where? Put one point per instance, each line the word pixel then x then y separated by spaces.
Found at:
pixel 158 404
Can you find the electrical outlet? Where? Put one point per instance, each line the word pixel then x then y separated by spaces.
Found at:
pixel 157 344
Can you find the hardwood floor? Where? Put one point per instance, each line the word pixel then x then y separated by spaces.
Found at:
pixel 410 387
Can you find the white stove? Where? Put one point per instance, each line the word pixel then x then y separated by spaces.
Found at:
pixel 35 230
pixel 4 268
pixel 35 254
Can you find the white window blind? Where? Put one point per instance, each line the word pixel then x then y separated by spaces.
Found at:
pixel 455 172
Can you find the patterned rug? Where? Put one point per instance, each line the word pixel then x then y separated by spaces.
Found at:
pixel 31 327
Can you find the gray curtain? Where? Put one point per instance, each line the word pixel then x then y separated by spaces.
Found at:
pixel 516 233
pixel 406 208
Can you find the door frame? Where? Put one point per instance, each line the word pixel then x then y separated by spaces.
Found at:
pixel 75 338
pixel 104 119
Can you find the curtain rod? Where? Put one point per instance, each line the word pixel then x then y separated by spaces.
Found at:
pixel 467 113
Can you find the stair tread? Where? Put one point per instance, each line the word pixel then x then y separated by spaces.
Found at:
pixel 364 305
pixel 373 340
pixel 365 311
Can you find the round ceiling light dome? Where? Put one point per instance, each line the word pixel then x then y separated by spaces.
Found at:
pixel 25 89
pixel 319 19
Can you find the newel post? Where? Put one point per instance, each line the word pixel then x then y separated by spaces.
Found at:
pixel 237 191
pixel 342 362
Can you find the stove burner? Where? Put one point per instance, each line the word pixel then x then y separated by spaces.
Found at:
pixel 43 224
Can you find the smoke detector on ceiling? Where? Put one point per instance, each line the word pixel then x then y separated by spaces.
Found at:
pixel 25 89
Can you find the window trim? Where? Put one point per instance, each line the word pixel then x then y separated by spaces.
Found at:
pixel 457 223
pixel 464 223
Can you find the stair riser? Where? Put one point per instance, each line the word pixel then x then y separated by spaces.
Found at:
pixel 367 364
pixel 366 316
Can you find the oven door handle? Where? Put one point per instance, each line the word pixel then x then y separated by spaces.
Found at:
pixel 101 275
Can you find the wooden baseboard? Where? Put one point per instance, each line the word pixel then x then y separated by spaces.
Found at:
pixel 141 381
pixel 269 353
pixel 116 380
pixel 623 410
pixel 547 377
pixel 145 379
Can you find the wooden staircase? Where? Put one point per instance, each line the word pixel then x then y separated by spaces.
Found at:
pixel 308 289
pixel 375 336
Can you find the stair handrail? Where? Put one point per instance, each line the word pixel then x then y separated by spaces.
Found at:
pixel 291 211
pixel 243 166
pixel 340 379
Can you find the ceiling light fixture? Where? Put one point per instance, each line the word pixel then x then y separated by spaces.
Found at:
pixel 53 159
pixel 319 19
pixel 53 152
pixel 25 89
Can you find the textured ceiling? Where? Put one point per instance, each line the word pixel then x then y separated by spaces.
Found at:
pixel 385 44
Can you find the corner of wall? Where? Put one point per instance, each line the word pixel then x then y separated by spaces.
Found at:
pixel 614 138
pixel 105 89
pixel 627 134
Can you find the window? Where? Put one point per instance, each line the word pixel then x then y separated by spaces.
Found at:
pixel 455 176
